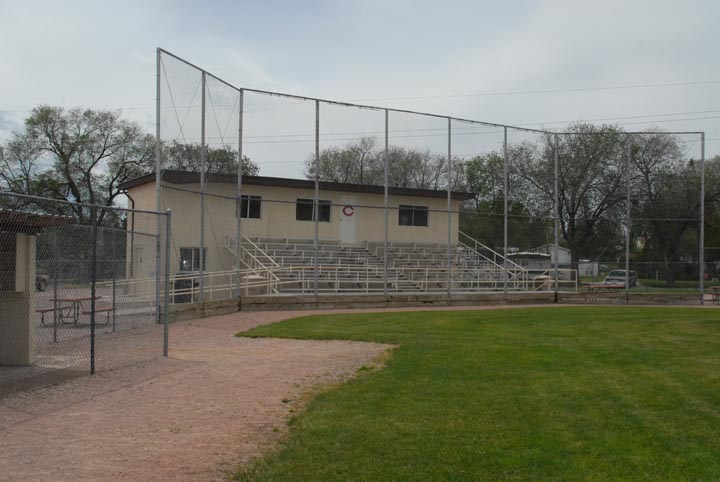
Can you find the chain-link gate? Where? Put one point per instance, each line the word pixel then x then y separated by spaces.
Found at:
pixel 82 289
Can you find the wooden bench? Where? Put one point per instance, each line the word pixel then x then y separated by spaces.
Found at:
pixel 107 311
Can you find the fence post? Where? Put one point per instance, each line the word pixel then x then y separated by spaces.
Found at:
pixel 203 165
pixel 316 203
pixel 93 278
pixel 627 221
pixel 385 205
pixel 449 210
pixel 701 258
pixel 166 301
pixel 238 205
pixel 114 284
pixel 55 284
pixel 556 229
pixel 505 214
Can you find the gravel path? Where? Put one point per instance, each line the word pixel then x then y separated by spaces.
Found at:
pixel 214 404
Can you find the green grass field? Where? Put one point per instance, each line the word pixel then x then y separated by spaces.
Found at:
pixel 571 394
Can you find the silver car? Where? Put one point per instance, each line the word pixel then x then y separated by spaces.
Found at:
pixel 618 277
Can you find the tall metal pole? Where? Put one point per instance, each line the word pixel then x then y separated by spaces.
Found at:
pixel 701 258
pixel 114 282
pixel 505 211
pixel 93 279
pixel 166 301
pixel 316 202
pixel 238 201
pixel 158 186
pixel 56 273
pixel 627 220
pixel 203 161
pixel 386 202
pixel 449 210
pixel 556 247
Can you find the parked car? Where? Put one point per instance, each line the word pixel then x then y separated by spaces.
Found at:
pixel 41 282
pixel 618 277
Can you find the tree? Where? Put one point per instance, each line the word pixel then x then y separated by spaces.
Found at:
pixel 484 215
pixel 186 157
pixel 590 185
pixel 85 154
pixel 363 162
pixel 666 189
pixel 19 169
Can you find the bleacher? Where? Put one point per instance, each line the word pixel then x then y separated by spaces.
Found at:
pixel 412 267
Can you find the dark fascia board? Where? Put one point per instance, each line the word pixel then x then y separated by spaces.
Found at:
pixel 30 223
pixel 188 177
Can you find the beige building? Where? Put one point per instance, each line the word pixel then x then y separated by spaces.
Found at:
pixel 351 214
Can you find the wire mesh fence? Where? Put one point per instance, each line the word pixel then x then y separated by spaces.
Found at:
pixel 367 199
pixel 81 289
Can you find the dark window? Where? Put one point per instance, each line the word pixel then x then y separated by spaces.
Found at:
pixel 250 206
pixel 304 210
pixel 190 259
pixel 7 261
pixel 413 215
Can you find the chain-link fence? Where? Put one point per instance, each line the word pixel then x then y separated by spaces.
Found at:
pixel 378 200
pixel 81 289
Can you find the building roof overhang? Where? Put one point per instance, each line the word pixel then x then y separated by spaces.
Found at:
pixel 30 223
pixel 189 177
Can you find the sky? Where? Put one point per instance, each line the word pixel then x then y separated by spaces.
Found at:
pixel 640 64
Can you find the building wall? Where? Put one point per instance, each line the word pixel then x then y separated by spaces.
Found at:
pixel 17 338
pixel 277 217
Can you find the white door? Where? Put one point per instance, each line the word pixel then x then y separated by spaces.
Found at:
pixel 138 260
pixel 348 220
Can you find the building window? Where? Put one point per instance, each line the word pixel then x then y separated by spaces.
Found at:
pixel 190 259
pixel 250 206
pixel 413 215
pixel 304 210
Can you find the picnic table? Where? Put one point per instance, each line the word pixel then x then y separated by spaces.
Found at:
pixel 604 287
pixel 715 293
pixel 73 306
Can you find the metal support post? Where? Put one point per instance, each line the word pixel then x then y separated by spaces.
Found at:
pixel 203 166
pixel 386 201
pixel 238 201
pixel 701 258
pixel 316 201
pixel 505 211
pixel 56 272
pixel 93 279
pixel 627 219
pixel 166 301
pixel 158 179
pixel 449 210
pixel 114 282
pixel 556 230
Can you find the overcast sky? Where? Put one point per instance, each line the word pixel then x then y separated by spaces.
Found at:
pixel 636 63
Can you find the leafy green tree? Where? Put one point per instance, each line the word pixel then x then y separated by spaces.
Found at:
pixel 590 185
pixel 666 189
pixel 186 157
pixel 363 162
pixel 78 155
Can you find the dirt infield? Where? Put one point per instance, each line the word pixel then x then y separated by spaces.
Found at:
pixel 215 403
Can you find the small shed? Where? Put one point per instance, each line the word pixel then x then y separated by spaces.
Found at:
pixel 18 232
